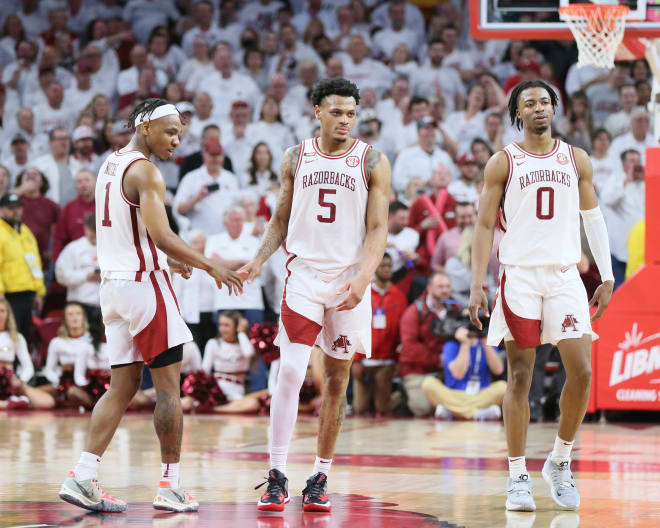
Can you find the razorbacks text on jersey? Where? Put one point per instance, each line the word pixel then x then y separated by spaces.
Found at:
pixel 327 225
pixel 540 209
pixel 125 249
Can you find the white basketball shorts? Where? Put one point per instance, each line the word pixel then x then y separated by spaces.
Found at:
pixel 309 313
pixel 541 304
pixel 141 319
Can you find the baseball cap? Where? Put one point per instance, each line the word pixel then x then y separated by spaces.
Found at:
pixel 83 132
pixel 19 138
pixel 119 128
pixel 239 102
pixel 213 147
pixel 10 200
pixel 425 121
pixel 185 106
pixel 368 114
pixel 467 158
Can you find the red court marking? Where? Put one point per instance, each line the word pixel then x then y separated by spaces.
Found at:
pixel 481 463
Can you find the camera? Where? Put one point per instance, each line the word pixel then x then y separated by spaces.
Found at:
pixel 446 328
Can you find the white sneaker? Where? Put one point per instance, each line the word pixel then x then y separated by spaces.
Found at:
pixel 174 499
pixel 489 413
pixel 560 479
pixel 442 413
pixel 519 494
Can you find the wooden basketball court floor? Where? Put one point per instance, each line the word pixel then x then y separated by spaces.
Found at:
pixel 386 474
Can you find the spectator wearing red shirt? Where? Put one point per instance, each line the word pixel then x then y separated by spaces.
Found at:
pixel 372 377
pixel 70 224
pixel 422 341
pixel 39 213
pixel 431 215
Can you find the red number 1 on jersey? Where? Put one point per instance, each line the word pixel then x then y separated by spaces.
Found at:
pixel 329 205
pixel 106 210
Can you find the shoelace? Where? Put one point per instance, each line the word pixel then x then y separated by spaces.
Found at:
pixel 315 489
pixel 274 486
pixel 562 477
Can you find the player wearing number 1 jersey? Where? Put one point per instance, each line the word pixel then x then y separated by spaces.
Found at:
pixel 332 219
pixel 537 189
pixel 136 250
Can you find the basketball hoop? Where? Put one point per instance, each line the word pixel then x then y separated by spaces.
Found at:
pixel 598 30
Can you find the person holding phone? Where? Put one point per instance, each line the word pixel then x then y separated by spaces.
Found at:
pixel 204 194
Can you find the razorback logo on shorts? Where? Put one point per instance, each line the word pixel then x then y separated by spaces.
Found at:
pixel 569 322
pixel 352 161
pixel 562 159
pixel 341 342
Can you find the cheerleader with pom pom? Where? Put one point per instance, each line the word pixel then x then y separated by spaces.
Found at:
pixel 15 393
pixel 91 375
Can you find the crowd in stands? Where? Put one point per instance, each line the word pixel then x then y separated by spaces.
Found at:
pixel 432 99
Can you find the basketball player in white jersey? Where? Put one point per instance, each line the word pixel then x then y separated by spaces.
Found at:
pixel 136 249
pixel 331 217
pixel 537 189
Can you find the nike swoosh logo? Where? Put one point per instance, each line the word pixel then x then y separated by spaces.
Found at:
pixel 84 491
pixel 181 498
pixel 519 163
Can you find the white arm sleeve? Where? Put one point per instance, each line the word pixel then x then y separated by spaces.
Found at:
pixel 594 227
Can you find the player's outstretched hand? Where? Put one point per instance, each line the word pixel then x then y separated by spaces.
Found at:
pixel 478 300
pixel 251 270
pixel 354 291
pixel 177 267
pixel 602 297
pixel 229 278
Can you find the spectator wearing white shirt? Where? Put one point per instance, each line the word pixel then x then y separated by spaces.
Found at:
pixel 405 134
pixel 619 123
pixel 80 94
pixel 420 160
pixel 236 141
pixel 604 162
pixel 227 357
pixel 205 28
pixel 413 17
pixel 464 189
pixel 145 15
pixel 403 63
pixel 604 96
pixel 163 54
pixel 53 114
pixel 12 33
pixel 639 136
pixel 363 70
pixel 291 105
pixel 102 66
pixel 402 241
pixel 230 27
pixel 581 77
pixel 77 269
pixel 203 116
pixel 260 176
pixel 623 196
pixel 33 20
pixel 254 65
pixel 261 14
pixel 204 194
pixel 234 248
pixel 19 158
pixel 16 73
pixel 292 51
pixel 389 38
pixel 59 167
pixel 389 109
pixel 469 124
pixel 225 84
pixel 34 82
pixel 314 11
pixel 83 148
pixel 270 130
pixel 435 79
pixel 128 79
pixel 198 64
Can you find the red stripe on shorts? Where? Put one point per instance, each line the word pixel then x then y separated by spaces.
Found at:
pixel 169 285
pixel 299 328
pixel 152 339
pixel 524 331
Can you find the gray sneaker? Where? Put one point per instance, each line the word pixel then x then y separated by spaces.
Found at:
pixel 89 495
pixel 560 480
pixel 519 494
pixel 174 499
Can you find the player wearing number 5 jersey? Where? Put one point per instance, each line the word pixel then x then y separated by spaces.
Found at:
pixel 136 250
pixel 536 190
pixel 332 219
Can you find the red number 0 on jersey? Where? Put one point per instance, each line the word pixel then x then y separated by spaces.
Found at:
pixel 322 202
pixel 545 207
pixel 106 210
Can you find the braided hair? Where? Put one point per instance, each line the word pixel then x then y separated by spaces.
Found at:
pixel 145 109
pixel 520 88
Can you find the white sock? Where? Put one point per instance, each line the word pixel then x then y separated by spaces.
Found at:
pixel 517 467
pixel 278 457
pixel 294 358
pixel 562 450
pixel 87 466
pixel 322 465
pixel 170 474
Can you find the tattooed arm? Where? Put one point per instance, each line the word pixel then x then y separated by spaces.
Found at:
pixel 379 173
pixel 278 226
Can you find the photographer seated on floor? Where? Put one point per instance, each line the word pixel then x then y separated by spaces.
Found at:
pixel 467 363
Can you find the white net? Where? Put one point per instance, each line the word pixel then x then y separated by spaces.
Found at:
pixel 598 31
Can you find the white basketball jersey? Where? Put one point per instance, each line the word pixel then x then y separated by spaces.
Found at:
pixel 125 249
pixel 540 210
pixel 328 214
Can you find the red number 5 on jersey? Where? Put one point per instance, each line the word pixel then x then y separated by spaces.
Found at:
pixel 329 205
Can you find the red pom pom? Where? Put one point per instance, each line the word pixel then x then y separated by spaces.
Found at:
pixel 262 337
pixel 5 383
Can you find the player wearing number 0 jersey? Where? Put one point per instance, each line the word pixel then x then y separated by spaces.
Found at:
pixel 140 311
pixel 332 218
pixel 536 190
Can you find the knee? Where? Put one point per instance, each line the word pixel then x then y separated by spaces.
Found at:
pixel 582 377
pixel 290 376
pixel 521 377
pixel 335 384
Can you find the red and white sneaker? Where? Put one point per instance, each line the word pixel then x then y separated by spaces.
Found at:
pixel 174 499
pixel 277 492
pixel 89 495
pixel 314 494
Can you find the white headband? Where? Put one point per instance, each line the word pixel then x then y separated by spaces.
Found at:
pixel 161 111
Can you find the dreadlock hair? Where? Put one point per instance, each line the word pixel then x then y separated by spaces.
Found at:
pixel 145 109
pixel 334 86
pixel 519 88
